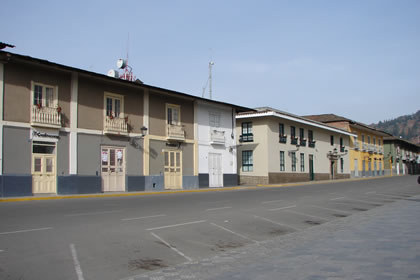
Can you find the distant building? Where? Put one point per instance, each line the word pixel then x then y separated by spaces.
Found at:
pixel 279 147
pixel 401 156
pixel 366 147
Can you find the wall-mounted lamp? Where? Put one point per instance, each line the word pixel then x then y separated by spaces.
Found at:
pixel 143 131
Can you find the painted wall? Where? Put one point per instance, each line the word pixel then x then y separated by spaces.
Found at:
pixel 228 150
pixel 63 154
pixel 16 151
pixel 17 90
pixel 89 154
pixel 157 114
pixel 91 103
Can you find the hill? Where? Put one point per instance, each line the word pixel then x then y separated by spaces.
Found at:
pixel 408 127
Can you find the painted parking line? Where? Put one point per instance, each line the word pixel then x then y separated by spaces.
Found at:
pixel 276 223
pixel 220 208
pixel 363 201
pixel 143 217
pixel 92 213
pixel 304 214
pixel 235 233
pixel 282 208
pixel 171 247
pixel 330 209
pixel 25 230
pixel 338 198
pixel 177 225
pixel 370 192
pixel 77 266
pixel 272 201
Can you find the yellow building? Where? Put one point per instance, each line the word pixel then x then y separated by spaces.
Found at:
pixel 366 150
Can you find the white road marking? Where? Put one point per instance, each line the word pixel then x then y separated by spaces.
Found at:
pixel 388 195
pixel 177 225
pixel 235 233
pixel 276 223
pixel 220 208
pixel 76 263
pixel 303 214
pixel 25 230
pixel 144 217
pixel 281 208
pixel 337 198
pixel 92 213
pixel 170 246
pixel 271 201
pixel 331 209
pixel 370 192
pixel 1 251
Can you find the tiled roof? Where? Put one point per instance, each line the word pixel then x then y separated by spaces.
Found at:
pixel 326 118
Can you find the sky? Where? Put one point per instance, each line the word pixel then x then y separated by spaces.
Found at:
pixel 359 59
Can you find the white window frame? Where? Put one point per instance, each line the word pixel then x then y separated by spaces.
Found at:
pixel 114 97
pixel 173 106
pixel 43 100
pixel 214 119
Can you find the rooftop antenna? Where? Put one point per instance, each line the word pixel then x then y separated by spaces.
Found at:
pixel 209 79
pixel 211 63
pixel 123 64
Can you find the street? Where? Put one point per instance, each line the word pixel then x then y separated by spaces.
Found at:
pixel 127 237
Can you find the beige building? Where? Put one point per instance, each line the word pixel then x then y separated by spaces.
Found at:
pixel 278 147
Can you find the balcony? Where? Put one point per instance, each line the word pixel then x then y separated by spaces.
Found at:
pixel 116 126
pixel 302 142
pixel 46 116
pixel 342 149
pixel 365 147
pixel 217 137
pixel 283 139
pixel 175 132
pixel 356 146
pixel 293 140
pixel 311 144
pixel 249 137
pixel 380 150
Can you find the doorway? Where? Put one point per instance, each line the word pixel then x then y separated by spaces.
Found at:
pixel 173 170
pixel 215 170
pixel 44 178
pixel 311 168
pixel 113 169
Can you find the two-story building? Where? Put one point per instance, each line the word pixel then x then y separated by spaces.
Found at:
pixel 70 131
pixel 401 156
pixel 367 150
pixel 279 147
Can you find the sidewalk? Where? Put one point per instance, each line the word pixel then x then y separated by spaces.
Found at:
pixel 382 243
pixel 121 194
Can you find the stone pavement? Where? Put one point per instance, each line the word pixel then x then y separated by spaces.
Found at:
pixel 382 243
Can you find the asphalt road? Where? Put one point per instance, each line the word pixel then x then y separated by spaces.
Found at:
pixel 118 237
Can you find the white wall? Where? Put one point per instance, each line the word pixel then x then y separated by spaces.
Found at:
pixel 228 150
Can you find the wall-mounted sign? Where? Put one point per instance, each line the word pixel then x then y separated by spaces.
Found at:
pixel 45 135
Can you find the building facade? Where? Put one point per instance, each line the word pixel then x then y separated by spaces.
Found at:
pixel 70 131
pixel 401 156
pixel 366 147
pixel 278 147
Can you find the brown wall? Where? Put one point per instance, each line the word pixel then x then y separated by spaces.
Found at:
pixel 278 178
pixel 91 104
pixel 157 114
pixel 253 180
pixel 17 90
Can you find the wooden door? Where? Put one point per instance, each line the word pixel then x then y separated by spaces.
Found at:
pixel 173 170
pixel 113 169
pixel 44 179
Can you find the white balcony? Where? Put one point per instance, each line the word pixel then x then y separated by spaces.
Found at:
pixel 116 126
pixel 175 132
pixel 217 137
pixel 365 147
pixel 356 146
pixel 46 116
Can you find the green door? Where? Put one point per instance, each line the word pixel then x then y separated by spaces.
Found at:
pixel 311 168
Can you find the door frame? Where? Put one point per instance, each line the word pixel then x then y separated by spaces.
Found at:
pixel 44 156
pixel 165 184
pixel 311 168
pixel 219 156
pixel 124 166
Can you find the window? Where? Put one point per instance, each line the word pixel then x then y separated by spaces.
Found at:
pixel 374 141
pixel 293 138
pixel 341 145
pixel 342 165
pixel 368 139
pixel 311 139
pixel 282 136
pixel 247 135
pixel 302 139
pixel 293 154
pixel 214 119
pixel 247 161
pixel 302 162
pixel 363 138
pixel 114 105
pixel 282 161
pixel 332 140
pixel 44 96
pixel 379 142
pixel 173 114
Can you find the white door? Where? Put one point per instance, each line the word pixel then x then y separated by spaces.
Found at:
pixel 215 170
pixel 173 170
pixel 113 169
pixel 356 168
pixel 43 173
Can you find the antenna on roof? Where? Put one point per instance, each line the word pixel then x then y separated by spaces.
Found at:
pixel 123 65
pixel 209 81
